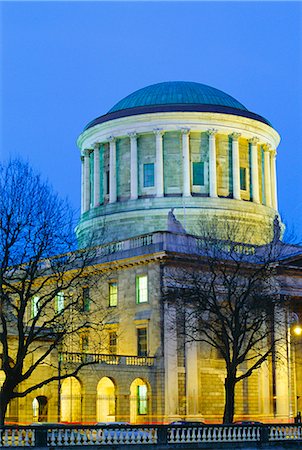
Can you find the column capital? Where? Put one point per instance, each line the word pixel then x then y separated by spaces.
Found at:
pixel 86 152
pixel 254 140
pixel 235 136
pixel 158 131
pixel 96 145
pixel 185 130
pixel 111 138
pixel 266 147
pixel 273 152
pixel 132 134
pixel 212 132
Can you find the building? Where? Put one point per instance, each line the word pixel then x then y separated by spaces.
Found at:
pixel 163 160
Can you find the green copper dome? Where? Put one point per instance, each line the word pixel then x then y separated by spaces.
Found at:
pixel 176 96
pixel 177 92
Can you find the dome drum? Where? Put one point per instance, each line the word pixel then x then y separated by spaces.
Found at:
pixel 136 168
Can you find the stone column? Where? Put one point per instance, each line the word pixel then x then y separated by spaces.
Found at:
pixel 86 181
pixel 274 179
pixel 96 176
pixel 267 176
pixel 112 170
pixel 159 177
pixel 236 166
pixel 186 190
pixel 82 184
pixel 212 163
pixel 254 171
pixel 133 166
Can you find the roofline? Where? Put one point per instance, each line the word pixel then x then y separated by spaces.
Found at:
pixel 181 107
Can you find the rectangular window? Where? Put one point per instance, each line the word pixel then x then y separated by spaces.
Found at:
pixel 59 302
pixel 142 401
pixel 198 173
pixel 149 175
pixel 34 306
pixel 113 294
pixel 112 343
pixel 107 182
pixel 243 178
pixel 84 343
pixel 86 299
pixel 142 289
pixel 142 342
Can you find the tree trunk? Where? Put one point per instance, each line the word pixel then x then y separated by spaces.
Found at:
pixel 229 407
pixel 4 401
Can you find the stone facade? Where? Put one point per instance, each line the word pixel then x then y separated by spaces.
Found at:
pixel 138 170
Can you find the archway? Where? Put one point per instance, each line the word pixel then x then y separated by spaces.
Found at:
pixel 106 405
pixel 139 401
pixel 40 409
pixel 71 400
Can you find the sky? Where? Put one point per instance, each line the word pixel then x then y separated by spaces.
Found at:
pixel 66 63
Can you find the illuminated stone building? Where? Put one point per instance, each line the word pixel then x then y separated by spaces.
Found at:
pixel 194 149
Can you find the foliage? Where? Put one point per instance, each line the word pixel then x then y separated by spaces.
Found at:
pixel 226 296
pixel 41 283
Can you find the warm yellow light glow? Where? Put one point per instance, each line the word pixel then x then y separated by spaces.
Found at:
pixel 297 330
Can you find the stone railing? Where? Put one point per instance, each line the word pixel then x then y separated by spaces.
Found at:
pixel 161 435
pixel 128 360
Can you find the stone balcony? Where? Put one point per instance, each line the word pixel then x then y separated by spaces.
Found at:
pixel 115 360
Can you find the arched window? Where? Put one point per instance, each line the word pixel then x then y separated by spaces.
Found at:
pixel 40 409
pixel 106 405
pixel 139 401
pixel 71 400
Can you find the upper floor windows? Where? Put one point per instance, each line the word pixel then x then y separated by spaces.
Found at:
pixel 34 307
pixel 86 299
pixel 149 175
pixel 142 343
pixel 141 288
pixel 84 342
pixel 59 302
pixel 113 293
pixel 112 342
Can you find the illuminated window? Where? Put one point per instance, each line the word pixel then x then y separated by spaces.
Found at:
pixel 112 342
pixel 86 299
pixel 149 175
pixel 113 294
pixel 198 173
pixel 34 306
pixel 142 402
pixel 142 342
pixel 243 178
pixel 142 289
pixel 59 302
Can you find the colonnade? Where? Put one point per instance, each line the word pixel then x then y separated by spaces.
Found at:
pixel 269 169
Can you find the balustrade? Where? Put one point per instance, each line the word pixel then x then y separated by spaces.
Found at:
pixel 85 435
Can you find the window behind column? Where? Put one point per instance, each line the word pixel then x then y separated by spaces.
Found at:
pixel 243 178
pixel 198 173
pixel 149 175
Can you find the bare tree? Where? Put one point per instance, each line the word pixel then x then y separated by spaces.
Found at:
pixel 42 276
pixel 226 296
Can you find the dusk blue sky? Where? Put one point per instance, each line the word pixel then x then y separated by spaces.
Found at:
pixel 66 63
